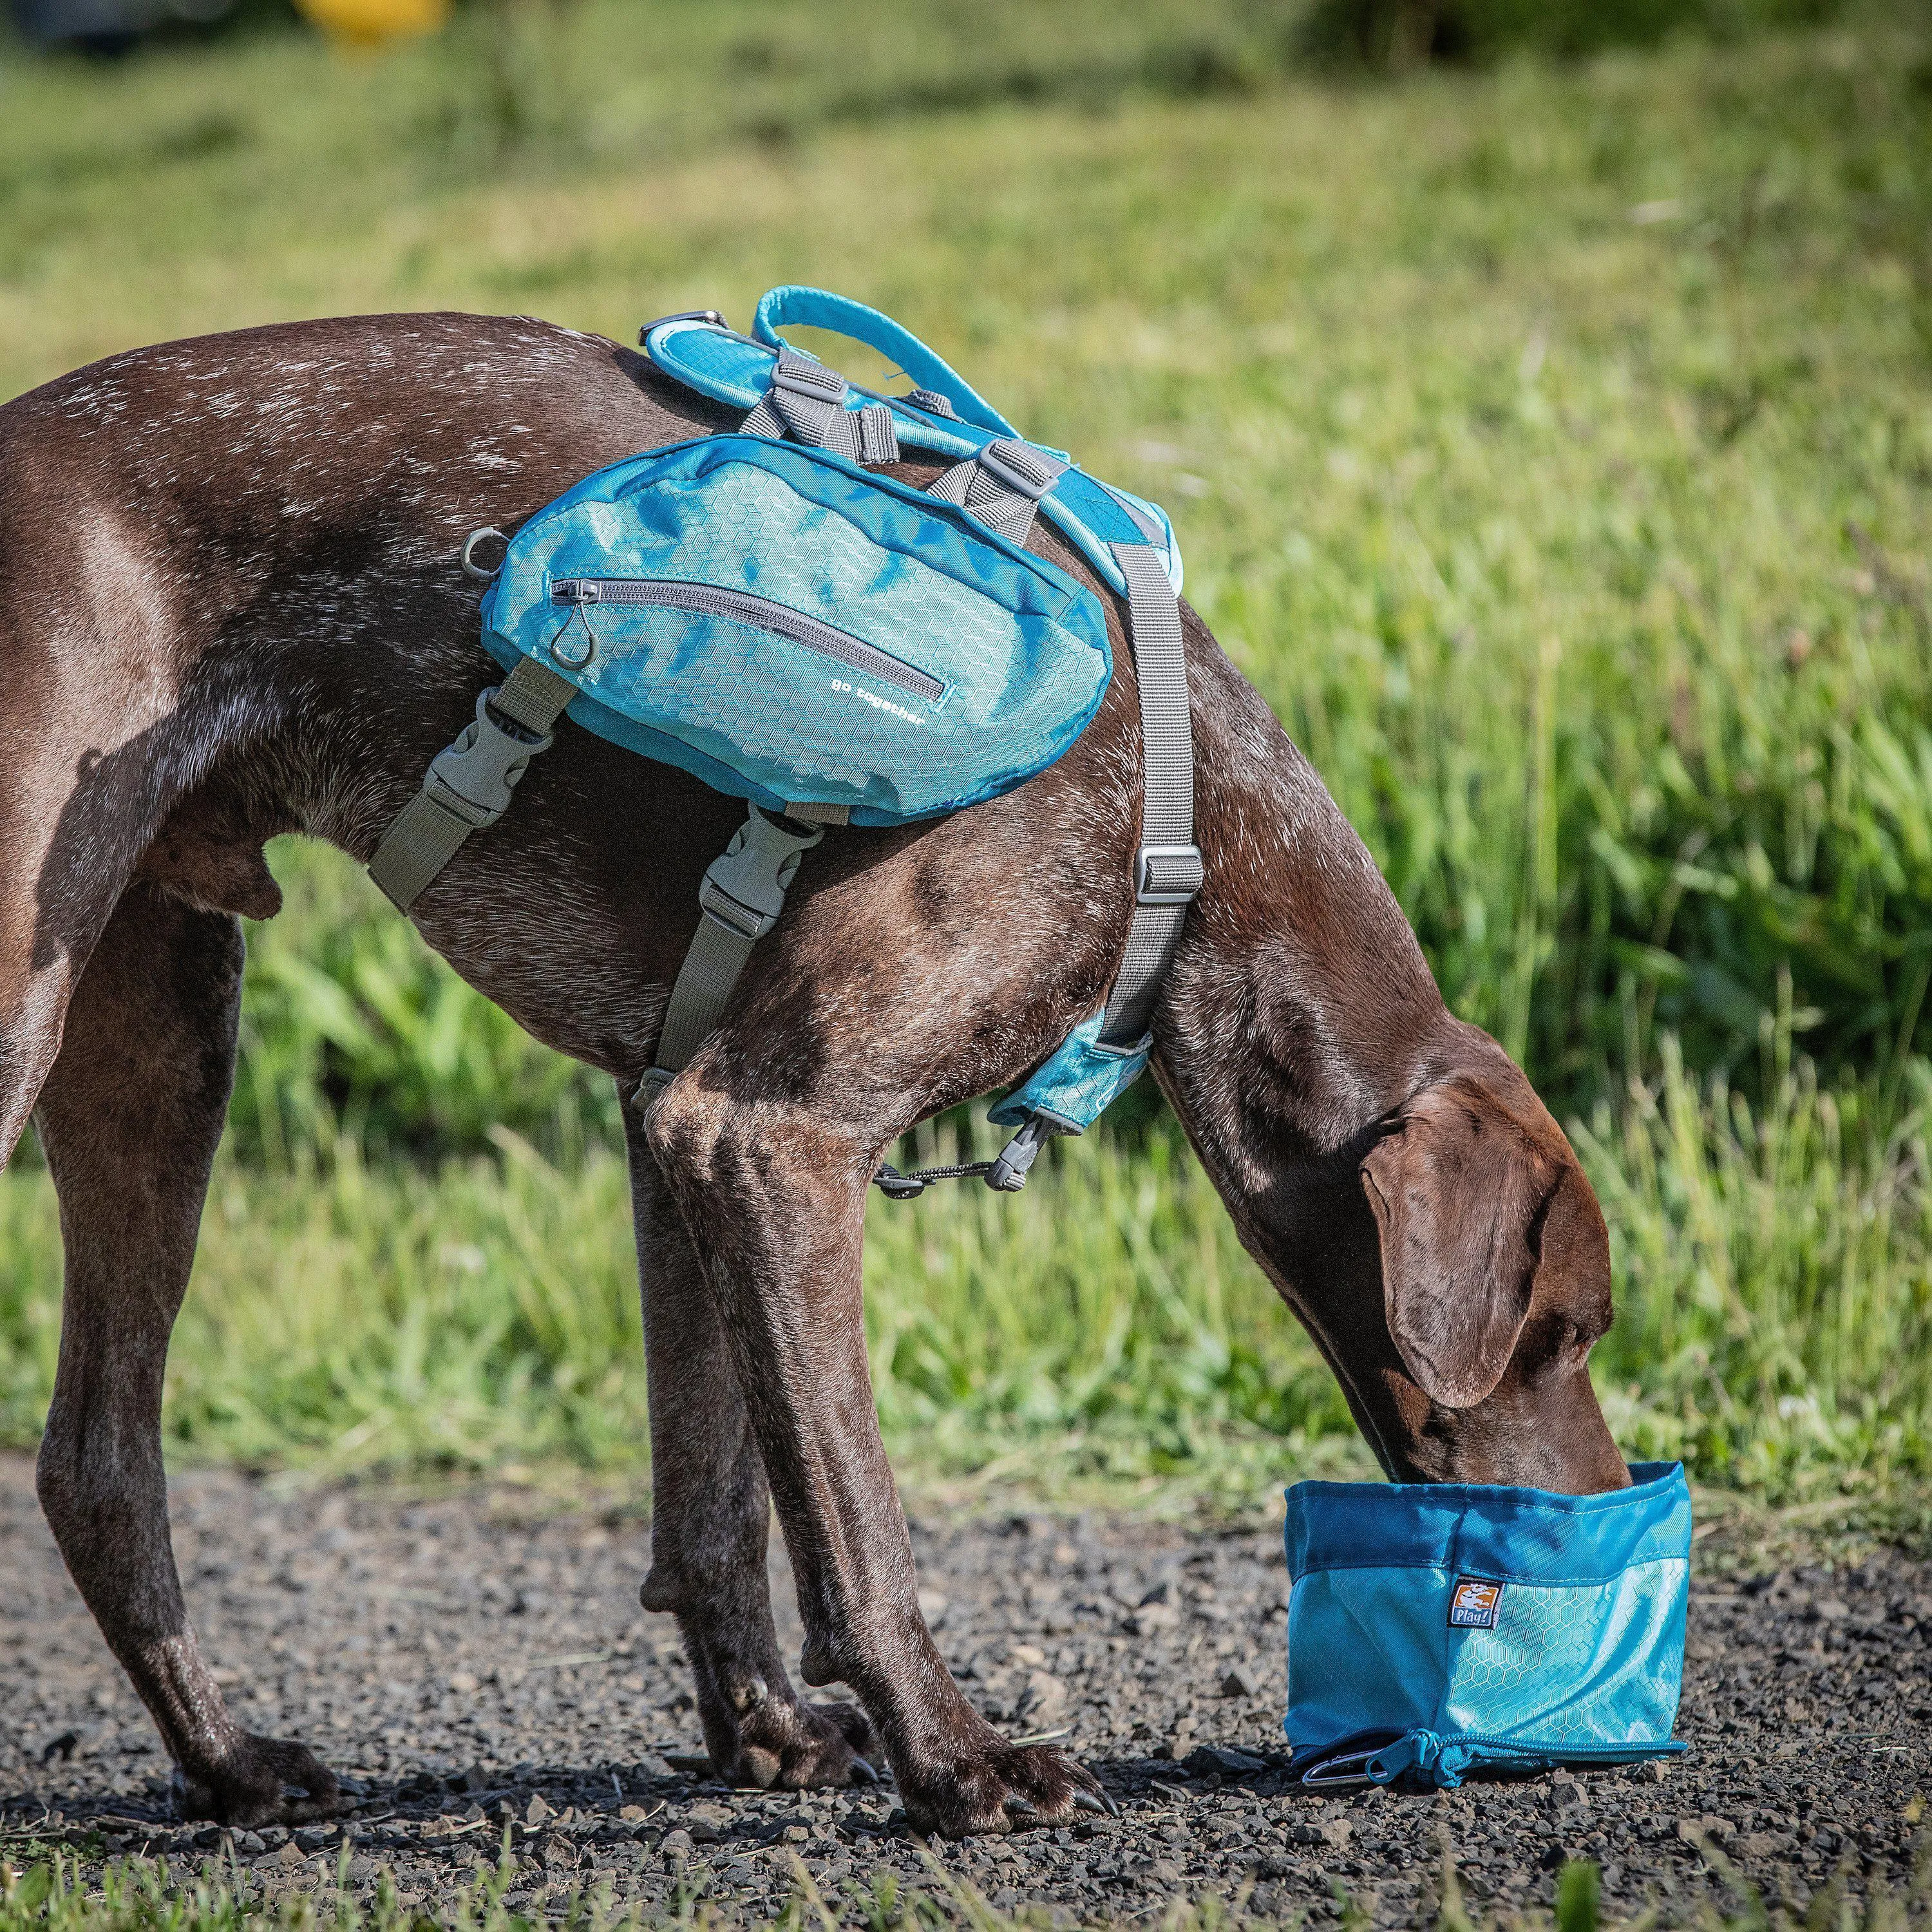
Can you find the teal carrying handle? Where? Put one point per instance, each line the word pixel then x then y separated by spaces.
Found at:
pixel 820 308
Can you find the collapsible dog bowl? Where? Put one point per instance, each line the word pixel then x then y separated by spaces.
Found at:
pixel 1436 1628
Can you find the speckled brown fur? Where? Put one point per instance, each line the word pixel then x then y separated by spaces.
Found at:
pixel 230 607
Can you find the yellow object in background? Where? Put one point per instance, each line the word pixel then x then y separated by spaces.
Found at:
pixel 374 23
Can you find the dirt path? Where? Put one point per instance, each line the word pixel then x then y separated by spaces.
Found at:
pixel 471 1659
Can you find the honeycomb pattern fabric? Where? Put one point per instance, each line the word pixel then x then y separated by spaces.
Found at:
pixel 1459 1652
pixel 1590 1665
pixel 1078 1084
pixel 1001 658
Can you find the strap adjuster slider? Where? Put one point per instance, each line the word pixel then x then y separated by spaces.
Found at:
pixel 1018 466
pixel 1167 874
pixel 804 377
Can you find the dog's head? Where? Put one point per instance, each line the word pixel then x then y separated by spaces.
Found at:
pixel 1496 1281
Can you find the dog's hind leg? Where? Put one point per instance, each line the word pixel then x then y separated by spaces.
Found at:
pixel 130 1115
pixel 710 1511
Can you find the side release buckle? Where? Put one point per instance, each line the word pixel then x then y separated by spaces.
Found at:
pixel 1008 1173
pixel 473 778
pixel 743 888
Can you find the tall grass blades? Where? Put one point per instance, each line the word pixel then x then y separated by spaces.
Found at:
pixel 1775 1260
pixel 1774 1267
pixel 1111 1315
pixel 352 1027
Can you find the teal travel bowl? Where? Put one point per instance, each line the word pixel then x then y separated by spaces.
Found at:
pixel 1437 1629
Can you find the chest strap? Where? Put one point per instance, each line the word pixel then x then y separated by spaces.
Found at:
pixel 739 901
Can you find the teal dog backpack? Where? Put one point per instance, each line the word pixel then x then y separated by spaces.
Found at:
pixel 1437 1629
pixel 762 609
pixel 808 639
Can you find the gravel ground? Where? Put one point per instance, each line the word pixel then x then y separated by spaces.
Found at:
pixel 478 1660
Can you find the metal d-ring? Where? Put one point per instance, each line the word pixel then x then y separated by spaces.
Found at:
pixel 470 567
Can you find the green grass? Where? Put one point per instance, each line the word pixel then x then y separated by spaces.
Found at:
pixel 1551 446
pixel 58 1893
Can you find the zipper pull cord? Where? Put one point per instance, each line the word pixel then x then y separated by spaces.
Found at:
pixel 897 1187
pixel 580 596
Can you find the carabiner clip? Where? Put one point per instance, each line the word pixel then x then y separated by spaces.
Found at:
pixel 1339 1773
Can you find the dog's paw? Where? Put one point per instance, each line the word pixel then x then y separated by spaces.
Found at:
pixel 1001 1787
pixel 785 1746
pixel 264 1781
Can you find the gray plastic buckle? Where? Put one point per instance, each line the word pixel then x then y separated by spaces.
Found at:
pixel 744 887
pixel 1008 1174
pixel 1019 467
pixel 474 777
pixel 1167 874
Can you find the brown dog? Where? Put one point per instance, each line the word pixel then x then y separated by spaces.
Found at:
pixel 230 607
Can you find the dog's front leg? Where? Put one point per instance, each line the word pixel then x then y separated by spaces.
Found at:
pixel 130 1116
pixel 774 1199
pixel 710 1509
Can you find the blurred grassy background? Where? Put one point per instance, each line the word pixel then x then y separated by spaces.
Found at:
pixel 1549 439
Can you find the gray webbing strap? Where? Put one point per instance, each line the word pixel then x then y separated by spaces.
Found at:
pixel 1002 486
pixel 739 899
pixel 1167 868
pixel 468 784
pixel 807 402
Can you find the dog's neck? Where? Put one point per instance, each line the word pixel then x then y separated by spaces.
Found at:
pixel 1300 1010
pixel 1300 1015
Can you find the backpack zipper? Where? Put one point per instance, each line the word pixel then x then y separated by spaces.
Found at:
pixel 708 600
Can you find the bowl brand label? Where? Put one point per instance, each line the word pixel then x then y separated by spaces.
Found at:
pixel 1474 1603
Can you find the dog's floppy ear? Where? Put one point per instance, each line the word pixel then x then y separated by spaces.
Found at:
pixel 1458 1189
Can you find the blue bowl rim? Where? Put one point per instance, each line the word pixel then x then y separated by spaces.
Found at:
pixel 1491 1530
pixel 1649 1481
